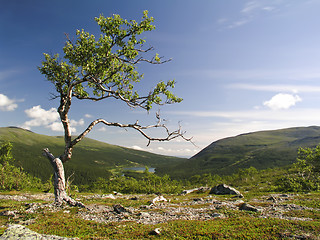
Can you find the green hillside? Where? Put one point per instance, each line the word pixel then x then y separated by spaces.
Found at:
pixel 91 159
pixel 264 149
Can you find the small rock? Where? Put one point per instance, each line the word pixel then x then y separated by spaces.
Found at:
pixel 248 207
pixel 272 198
pixel 134 198
pixel 198 199
pixel 144 215
pixel 109 196
pixel 8 213
pixel 218 215
pixel 158 199
pixel 116 193
pixel 118 208
pixel 156 231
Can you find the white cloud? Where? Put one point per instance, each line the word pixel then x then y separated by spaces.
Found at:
pixel 40 116
pixel 7 104
pixel 49 119
pixel 282 101
pixel 77 123
pixel 88 116
pixel 250 6
pixel 102 129
pixel 135 147
pixel 56 127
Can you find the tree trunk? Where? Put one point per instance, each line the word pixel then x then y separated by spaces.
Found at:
pixel 59 184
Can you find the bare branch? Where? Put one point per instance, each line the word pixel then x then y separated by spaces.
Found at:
pixel 169 135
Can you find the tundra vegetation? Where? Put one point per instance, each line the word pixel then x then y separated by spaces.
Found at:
pixel 123 206
pixel 289 197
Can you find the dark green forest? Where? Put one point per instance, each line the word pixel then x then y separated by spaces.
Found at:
pixel 300 176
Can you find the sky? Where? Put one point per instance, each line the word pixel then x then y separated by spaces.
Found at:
pixel 240 66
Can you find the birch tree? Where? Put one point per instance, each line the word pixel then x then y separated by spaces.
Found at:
pixel 100 68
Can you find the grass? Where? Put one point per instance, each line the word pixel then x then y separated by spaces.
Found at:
pixel 231 228
pixel 235 225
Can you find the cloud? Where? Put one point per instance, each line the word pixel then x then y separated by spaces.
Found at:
pixel 250 11
pixel 102 129
pixel 137 148
pixel 7 104
pixel 88 115
pixel 77 123
pixel 48 118
pixel 282 101
pixel 278 87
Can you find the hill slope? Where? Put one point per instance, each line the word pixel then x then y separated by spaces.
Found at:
pixel 91 159
pixel 264 149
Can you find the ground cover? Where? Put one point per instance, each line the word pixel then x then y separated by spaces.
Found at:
pixel 191 216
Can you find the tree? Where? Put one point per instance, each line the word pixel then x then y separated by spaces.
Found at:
pixel 99 69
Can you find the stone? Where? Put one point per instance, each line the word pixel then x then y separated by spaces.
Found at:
pixel 144 215
pixel 16 231
pixel 218 215
pixel 156 231
pixel 272 198
pixel 8 213
pixel 224 189
pixel 158 199
pixel 108 196
pixel 118 208
pixel 248 207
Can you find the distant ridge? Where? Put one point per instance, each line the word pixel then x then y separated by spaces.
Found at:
pixel 91 159
pixel 262 149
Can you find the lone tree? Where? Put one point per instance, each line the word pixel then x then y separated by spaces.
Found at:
pixel 98 69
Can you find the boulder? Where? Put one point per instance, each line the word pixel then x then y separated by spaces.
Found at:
pixel 16 231
pixel 224 189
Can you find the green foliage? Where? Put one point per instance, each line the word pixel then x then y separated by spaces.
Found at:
pixel 143 183
pixel 304 175
pixel 14 178
pixel 236 225
pixel 106 66
pixel 92 159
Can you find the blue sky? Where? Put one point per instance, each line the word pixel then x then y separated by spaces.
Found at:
pixel 240 66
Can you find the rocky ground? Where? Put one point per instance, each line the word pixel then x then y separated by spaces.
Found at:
pixel 152 209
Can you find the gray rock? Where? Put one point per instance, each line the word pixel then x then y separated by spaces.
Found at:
pixel 118 208
pixel 224 189
pixel 248 207
pixel 156 231
pixel 17 231
pixel 218 215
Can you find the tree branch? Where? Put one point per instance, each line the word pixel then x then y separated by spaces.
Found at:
pixel 170 135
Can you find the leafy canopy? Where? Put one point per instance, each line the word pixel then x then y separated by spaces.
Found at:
pixel 98 68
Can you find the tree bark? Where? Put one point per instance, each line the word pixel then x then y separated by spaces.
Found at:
pixel 59 184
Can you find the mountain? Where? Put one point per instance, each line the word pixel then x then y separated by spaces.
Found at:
pixel 91 159
pixel 263 149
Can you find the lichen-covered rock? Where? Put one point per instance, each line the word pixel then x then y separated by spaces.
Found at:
pixel 16 231
pixel 224 189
